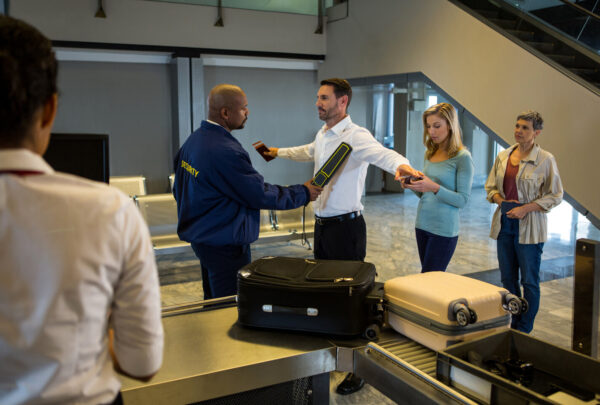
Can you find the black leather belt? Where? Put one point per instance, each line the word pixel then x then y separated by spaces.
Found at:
pixel 337 218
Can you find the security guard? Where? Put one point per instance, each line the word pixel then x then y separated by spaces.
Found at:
pixel 219 194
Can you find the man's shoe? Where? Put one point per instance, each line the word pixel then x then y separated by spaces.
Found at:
pixel 350 384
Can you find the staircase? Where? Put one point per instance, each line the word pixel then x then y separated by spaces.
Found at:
pixel 571 21
pixel 538 31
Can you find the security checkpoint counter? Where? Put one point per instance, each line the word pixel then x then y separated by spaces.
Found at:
pixel 209 358
pixel 208 355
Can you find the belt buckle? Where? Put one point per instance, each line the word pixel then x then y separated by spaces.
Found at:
pixel 352 215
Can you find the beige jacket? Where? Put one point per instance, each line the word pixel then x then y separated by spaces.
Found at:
pixel 538 181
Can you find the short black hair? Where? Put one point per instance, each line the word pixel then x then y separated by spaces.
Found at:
pixel 341 87
pixel 537 122
pixel 28 71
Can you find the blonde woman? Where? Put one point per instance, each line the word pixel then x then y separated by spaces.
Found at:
pixel 443 190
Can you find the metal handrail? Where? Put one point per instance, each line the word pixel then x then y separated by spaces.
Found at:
pixel 199 306
pixel 582 9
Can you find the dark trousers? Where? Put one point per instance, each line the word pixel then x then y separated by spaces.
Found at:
pixel 345 240
pixel 516 259
pixel 118 400
pixel 435 251
pixel 220 265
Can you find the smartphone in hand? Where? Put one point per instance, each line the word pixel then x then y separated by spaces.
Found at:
pixel 262 149
pixel 410 179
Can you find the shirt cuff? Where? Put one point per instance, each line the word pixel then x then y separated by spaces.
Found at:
pixel 283 153
pixel 491 194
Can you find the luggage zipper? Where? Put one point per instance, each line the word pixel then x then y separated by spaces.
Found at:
pixel 337 289
pixel 448 330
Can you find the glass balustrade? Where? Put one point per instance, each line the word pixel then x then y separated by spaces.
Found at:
pixel 308 7
pixel 576 19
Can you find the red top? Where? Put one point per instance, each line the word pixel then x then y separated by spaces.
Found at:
pixel 510 181
pixel 21 172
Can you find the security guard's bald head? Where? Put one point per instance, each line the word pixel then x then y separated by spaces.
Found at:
pixel 227 106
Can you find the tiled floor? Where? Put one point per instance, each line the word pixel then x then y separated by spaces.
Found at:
pixel 392 248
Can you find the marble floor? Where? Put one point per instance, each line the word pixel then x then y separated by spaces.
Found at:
pixel 391 246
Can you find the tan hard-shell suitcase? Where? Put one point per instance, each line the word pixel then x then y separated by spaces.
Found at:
pixel 438 309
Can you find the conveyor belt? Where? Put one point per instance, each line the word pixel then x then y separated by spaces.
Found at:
pixel 411 352
pixel 404 371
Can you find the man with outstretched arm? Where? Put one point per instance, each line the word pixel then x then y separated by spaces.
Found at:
pixel 340 229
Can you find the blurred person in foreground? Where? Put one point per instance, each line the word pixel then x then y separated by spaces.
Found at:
pixel 78 279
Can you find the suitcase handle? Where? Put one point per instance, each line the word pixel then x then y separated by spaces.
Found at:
pixel 290 310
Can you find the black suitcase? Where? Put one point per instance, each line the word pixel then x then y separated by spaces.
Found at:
pixel 335 297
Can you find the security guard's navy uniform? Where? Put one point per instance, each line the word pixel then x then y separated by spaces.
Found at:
pixel 219 197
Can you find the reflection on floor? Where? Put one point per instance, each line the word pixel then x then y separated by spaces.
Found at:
pixel 392 248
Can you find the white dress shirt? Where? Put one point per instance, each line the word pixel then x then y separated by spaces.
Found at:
pixel 343 193
pixel 75 258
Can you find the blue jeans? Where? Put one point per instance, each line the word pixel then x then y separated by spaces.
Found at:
pixel 514 256
pixel 435 251
pixel 220 265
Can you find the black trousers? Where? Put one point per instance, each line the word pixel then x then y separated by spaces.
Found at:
pixel 345 240
pixel 220 265
pixel 118 400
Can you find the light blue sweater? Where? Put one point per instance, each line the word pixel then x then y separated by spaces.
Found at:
pixel 438 213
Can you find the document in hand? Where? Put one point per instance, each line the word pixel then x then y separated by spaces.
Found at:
pixel 262 149
pixel 330 167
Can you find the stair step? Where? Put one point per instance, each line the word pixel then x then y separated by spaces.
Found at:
pixel 584 71
pixel 504 23
pixel 524 35
pixel 546 47
pixel 487 13
pixel 562 59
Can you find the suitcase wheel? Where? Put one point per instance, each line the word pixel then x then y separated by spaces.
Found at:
pixel 372 332
pixel 464 315
pixel 524 305
pixel 515 305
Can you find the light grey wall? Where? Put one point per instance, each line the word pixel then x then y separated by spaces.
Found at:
pixel 361 106
pixel 361 111
pixel 480 146
pixel 282 113
pixel 169 24
pixel 415 150
pixel 452 48
pixel 132 104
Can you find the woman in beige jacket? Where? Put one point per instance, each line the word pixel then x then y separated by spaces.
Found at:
pixel 525 184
